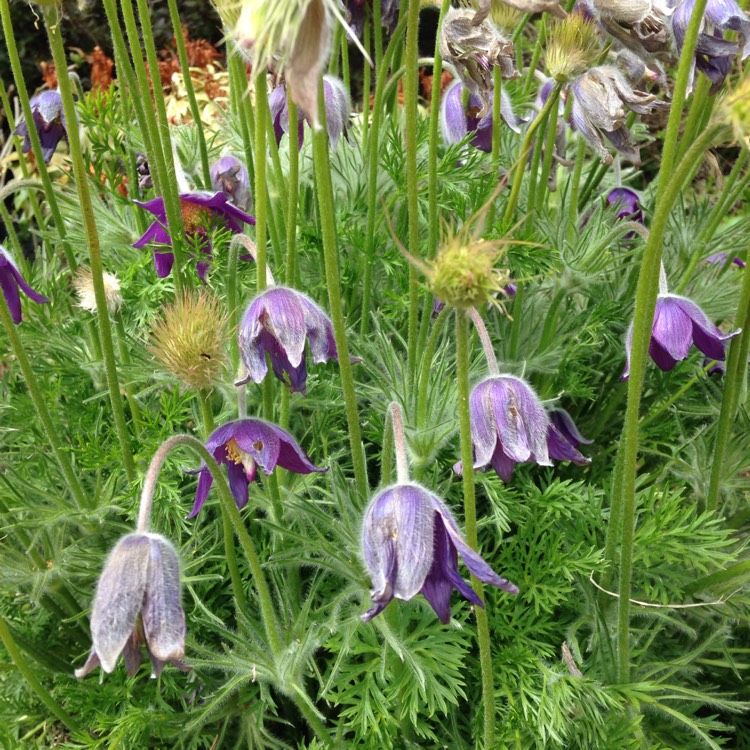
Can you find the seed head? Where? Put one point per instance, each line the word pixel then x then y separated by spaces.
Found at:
pixel 735 111
pixel 504 17
pixel 84 286
pixel 190 340
pixel 573 47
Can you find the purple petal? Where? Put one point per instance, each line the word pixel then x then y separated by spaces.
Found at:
pixel 483 425
pixel 205 480
pixel 672 329
pixel 663 359
pixel 237 483
pixel 163 263
pixel 502 463
pixel 10 291
pixel 291 456
pixel 563 450
pixel 155 233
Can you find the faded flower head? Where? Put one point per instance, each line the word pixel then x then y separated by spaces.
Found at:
pixel 141 577
pixel 49 121
pixel 500 10
pixel 201 212
pixel 474 49
pixel 243 446
pixel 11 281
pixel 457 121
pixel 410 545
pixel 572 47
pixel 84 286
pixel 602 97
pixel 278 322
pixel 229 175
pixel 190 339
pixel 640 25
pixel 734 109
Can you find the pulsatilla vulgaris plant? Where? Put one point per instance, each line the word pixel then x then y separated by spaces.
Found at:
pixel 179 224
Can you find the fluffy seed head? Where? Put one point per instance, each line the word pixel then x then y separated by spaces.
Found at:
pixel 573 47
pixel 84 286
pixel 190 340
pixel 504 17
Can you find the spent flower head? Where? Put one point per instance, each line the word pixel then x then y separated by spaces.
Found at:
pixel 734 110
pixel 573 46
pixel 190 340
pixel 84 287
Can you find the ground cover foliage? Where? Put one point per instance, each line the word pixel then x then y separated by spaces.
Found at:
pixel 571 663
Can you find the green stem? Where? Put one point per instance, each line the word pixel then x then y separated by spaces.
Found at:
pixel 427 357
pixel 52 22
pixel 190 90
pixel 470 513
pixel 549 153
pixel 574 188
pixel 345 74
pixel 17 657
pixel 497 92
pixel 697 107
pixel 261 194
pixel 40 404
pixel 122 345
pixel 241 106
pixel 366 84
pixel 646 292
pixel 293 187
pixel 330 256
pixel 515 332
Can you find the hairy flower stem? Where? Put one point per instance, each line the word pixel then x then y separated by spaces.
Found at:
pixel 549 154
pixel 484 337
pixel 36 146
pixel 470 514
pixel 497 91
pixel 52 22
pixel 648 279
pixel 261 194
pixel 190 91
pixel 40 404
pixel 734 380
pixel 366 83
pixel 28 673
pixel 373 157
pixel 574 186
pixel 411 85
pixel 122 345
pixel 293 194
pixel 520 166
pixel 428 354
pixel 242 107
pixel 399 443
pixel 330 257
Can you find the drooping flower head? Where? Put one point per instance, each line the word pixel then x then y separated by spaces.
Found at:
pixel 627 204
pixel 494 7
pixel 200 213
pixel 229 175
pixel 410 544
pixel 11 281
pixel 563 438
pixel 714 54
pixel 49 121
pixel 243 446
pixel 279 321
pixel 640 25
pixel 457 120
pixel 141 576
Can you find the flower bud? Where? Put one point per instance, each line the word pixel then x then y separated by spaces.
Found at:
pixel 84 287
pixel 190 340
pixel 572 47
pixel 229 175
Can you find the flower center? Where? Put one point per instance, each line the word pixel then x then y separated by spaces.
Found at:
pixel 239 457
pixel 196 218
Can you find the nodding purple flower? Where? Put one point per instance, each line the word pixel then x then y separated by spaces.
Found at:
pixel 563 438
pixel 410 544
pixel 141 576
pixel 640 25
pixel 200 212
pixel 229 175
pixel 679 323
pixel 356 11
pixel 721 259
pixel 49 121
pixel 508 426
pixel 244 445
pixel 627 203
pixel 714 54
pixel 11 281
pixel 337 104
pixel 457 121
pixel 279 321
pixel 601 99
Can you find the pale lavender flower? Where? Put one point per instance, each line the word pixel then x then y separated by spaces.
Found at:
pixel 721 259
pixel 229 175
pixel 49 121
pixel 10 283
pixel 410 544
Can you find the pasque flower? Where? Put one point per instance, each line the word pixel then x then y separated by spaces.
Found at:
pixel 49 121
pixel 627 204
pixel 141 577
pixel 229 175
pixel 563 438
pixel 640 25
pixel 279 321
pixel 244 445
pixel 200 212
pixel 410 544
pixel 721 259
pixel 11 281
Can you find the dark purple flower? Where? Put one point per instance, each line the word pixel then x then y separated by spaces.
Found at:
pixel 279 321
pixel 49 121
pixel 508 425
pixel 627 203
pixel 243 445
pixel 457 121
pixel 141 576
pixel 11 281
pixel 356 11
pixel 679 323
pixel 200 211
pixel 410 545
pixel 721 259
pixel 229 175
pixel 563 438
pixel 714 54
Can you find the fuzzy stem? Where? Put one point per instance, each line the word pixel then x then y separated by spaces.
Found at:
pixel 497 92
pixel 366 83
pixel 411 84
pixel 52 22
pixel 293 188
pixel 733 382
pixel 190 90
pixel 122 345
pixel 470 514
pixel 261 195
pixel 386 452
pixel 574 187
pixel 399 442
pixel 237 242
pixel 525 148
pixel 40 404
pixel 484 337
pixel 549 153
pixel 515 332
pixel 330 257
pixel 644 313
pixel 428 354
